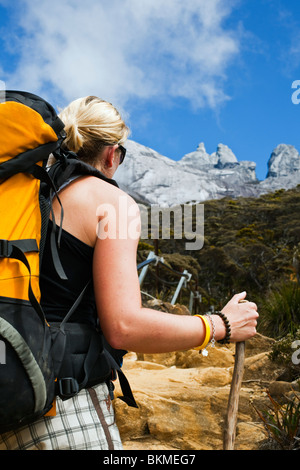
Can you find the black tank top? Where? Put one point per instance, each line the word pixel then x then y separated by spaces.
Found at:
pixel 57 295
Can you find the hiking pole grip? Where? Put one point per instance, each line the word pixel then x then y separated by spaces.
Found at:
pixel 234 395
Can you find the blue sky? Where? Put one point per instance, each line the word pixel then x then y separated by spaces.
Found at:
pixel 212 71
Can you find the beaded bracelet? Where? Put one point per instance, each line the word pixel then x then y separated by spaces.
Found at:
pixel 226 340
pixel 207 333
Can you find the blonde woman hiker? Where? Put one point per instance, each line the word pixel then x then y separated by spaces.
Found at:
pixel 93 245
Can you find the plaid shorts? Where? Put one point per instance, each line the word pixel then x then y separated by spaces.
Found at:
pixel 84 422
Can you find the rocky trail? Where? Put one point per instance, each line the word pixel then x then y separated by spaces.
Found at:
pixel 182 398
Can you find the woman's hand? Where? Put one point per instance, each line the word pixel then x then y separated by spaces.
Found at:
pixel 242 316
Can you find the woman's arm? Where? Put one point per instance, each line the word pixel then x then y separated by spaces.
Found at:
pixel 125 323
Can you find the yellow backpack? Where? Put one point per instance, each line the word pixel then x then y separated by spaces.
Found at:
pixel 35 363
pixel 30 130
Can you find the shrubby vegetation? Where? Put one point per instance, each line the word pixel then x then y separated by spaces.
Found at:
pixel 251 244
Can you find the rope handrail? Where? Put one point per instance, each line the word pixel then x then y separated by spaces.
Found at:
pixel 144 263
pixel 176 273
pixel 163 281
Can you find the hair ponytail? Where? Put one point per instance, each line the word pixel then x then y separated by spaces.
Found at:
pixel 90 124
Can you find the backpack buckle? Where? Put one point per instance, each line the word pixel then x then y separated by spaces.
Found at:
pixel 5 248
pixel 68 387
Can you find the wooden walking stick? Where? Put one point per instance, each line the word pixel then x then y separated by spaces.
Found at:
pixel 233 401
pixel 234 395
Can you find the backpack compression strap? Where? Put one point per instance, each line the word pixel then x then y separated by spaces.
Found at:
pixel 24 161
pixel 16 249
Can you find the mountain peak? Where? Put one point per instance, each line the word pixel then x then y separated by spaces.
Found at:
pixel 201 148
pixel 225 156
pixel 284 161
pixel 198 176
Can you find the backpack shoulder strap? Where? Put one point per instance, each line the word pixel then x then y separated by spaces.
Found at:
pixel 68 167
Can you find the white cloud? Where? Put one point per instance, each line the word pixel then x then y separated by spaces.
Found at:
pixel 126 49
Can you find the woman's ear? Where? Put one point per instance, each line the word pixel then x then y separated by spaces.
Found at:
pixel 111 155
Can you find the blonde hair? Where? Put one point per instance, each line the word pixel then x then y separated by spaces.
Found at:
pixel 91 124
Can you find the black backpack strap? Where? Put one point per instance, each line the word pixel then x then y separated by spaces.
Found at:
pixel 127 397
pixel 69 386
pixel 68 166
pixel 42 174
pixel 7 246
pixel 16 250
pixel 75 305
pixel 23 162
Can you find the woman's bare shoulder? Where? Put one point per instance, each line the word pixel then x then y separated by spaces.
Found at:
pixel 94 190
pixel 107 193
pixel 85 201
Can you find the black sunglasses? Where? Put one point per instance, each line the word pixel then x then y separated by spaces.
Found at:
pixel 123 154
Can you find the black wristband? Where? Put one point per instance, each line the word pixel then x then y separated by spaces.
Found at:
pixel 226 340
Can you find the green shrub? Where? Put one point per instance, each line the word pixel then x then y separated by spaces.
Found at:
pixel 280 311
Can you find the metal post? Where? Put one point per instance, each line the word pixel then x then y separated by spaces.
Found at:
pixel 179 286
pixel 145 268
pixel 151 258
pixel 191 301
